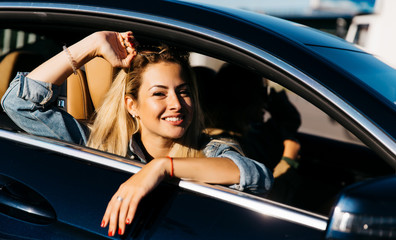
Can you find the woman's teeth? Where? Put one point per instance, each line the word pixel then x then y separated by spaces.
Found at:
pixel 173 119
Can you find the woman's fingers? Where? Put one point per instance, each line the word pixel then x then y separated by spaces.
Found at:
pixel 106 216
pixel 129 39
pixel 122 216
pixel 114 218
pixel 131 211
pixel 127 34
pixel 118 48
pixel 110 215
pixel 127 213
pixel 122 207
pixel 129 42
pixel 126 62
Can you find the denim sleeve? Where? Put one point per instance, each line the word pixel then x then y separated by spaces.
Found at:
pixel 254 176
pixel 31 105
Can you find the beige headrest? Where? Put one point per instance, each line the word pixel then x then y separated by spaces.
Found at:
pixel 99 77
pixel 79 103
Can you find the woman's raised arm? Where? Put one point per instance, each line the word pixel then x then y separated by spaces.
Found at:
pixel 116 48
pixel 28 96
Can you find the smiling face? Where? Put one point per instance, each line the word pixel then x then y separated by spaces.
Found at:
pixel 164 107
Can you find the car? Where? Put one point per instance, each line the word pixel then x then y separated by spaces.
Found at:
pixel 51 189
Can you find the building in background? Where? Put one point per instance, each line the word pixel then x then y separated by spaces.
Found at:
pixel 332 16
pixel 346 6
pixel 374 32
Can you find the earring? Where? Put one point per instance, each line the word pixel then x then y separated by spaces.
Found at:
pixel 133 115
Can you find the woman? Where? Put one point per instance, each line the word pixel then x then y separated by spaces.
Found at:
pixel 151 112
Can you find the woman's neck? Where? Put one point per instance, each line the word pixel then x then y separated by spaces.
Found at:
pixel 156 146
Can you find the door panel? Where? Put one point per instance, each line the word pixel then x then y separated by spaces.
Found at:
pixel 78 193
pixel 327 166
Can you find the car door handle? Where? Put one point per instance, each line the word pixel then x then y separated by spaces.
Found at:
pixel 21 202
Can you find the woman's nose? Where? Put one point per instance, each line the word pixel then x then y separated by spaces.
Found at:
pixel 174 102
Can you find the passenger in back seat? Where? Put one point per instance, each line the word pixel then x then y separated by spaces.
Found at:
pixel 150 113
pixel 244 99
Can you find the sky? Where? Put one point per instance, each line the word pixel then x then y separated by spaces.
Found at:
pixel 294 6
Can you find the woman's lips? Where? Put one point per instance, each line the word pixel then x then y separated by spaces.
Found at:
pixel 174 120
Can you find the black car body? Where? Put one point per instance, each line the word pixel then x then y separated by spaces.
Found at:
pixel 54 190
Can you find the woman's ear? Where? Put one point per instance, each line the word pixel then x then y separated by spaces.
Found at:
pixel 131 106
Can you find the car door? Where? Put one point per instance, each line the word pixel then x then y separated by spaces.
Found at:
pixel 47 194
pixel 53 190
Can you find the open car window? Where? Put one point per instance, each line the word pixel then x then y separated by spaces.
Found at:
pixel 330 158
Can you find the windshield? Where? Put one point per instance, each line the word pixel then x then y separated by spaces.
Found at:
pixel 375 74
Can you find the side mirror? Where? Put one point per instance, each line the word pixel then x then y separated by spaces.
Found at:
pixel 366 210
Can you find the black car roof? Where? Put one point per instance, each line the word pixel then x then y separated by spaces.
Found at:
pixel 219 18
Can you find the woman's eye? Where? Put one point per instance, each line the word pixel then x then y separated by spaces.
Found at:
pixel 159 94
pixel 184 93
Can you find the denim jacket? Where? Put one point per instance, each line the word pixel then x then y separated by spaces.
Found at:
pixel 32 106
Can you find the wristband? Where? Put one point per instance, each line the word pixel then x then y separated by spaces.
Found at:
pixel 291 162
pixel 171 160
pixel 71 60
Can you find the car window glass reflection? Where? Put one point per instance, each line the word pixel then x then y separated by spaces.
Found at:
pixel 311 155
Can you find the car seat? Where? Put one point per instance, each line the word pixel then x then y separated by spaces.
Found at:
pixel 17 61
pixel 100 75
pixel 86 90
pixel 77 101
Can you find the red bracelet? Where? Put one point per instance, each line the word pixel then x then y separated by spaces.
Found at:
pixel 171 160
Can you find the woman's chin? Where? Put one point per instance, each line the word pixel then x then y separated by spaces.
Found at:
pixel 175 135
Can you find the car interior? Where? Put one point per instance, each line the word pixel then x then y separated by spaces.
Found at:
pixel 326 165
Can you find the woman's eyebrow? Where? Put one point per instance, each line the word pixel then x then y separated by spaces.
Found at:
pixel 182 85
pixel 165 87
pixel 158 86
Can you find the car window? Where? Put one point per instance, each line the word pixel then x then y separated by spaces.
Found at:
pixel 329 157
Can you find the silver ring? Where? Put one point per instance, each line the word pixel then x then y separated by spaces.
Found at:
pixel 119 199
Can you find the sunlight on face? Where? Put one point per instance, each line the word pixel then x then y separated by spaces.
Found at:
pixel 164 106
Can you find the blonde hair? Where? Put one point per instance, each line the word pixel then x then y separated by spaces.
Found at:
pixel 113 126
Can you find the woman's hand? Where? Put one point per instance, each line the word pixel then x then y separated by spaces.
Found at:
pixel 122 206
pixel 117 48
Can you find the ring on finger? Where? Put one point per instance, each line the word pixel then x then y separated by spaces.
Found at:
pixel 119 198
